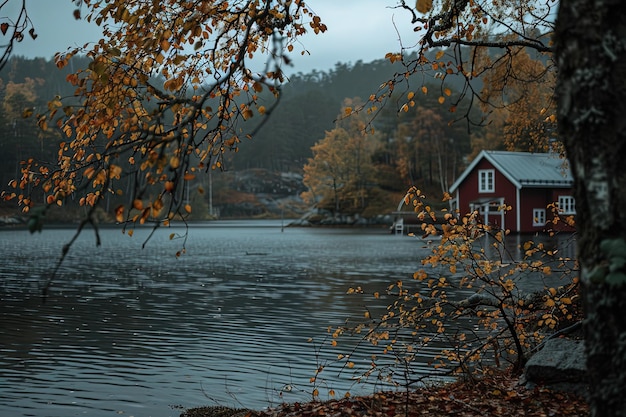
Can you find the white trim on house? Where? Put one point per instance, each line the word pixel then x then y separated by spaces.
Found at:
pixel 487 180
pixel 567 204
pixel 518 207
pixel 539 217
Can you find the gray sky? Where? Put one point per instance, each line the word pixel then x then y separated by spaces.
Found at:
pixel 357 30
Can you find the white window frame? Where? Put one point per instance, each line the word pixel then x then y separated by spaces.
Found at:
pixel 567 204
pixel 539 217
pixel 486 180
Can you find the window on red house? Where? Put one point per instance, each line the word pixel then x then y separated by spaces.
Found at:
pixel 486 181
pixel 567 204
pixel 539 217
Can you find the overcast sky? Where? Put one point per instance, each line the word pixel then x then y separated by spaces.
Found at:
pixel 357 30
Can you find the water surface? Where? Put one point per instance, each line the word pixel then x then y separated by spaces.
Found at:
pixel 131 331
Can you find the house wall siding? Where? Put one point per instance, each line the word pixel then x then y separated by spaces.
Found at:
pixel 533 198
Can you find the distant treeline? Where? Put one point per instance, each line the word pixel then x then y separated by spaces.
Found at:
pixel 308 107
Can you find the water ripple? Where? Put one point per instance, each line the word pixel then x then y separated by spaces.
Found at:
pixel 136 331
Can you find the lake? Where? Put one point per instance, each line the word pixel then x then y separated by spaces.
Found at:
pixel 139 332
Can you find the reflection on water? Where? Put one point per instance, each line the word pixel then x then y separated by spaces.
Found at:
pixel 138 331
pixel 134 331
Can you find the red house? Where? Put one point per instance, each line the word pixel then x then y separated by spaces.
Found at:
pixel 525 182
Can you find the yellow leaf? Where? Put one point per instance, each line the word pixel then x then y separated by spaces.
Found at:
pixel 424 89
pixel 172 236
pixel 348 110
pixel 188 208
pixel 130 232
pixel 441 99
pixel 447 92
pixel 316 392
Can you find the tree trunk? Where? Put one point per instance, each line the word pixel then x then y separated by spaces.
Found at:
pixel 591 94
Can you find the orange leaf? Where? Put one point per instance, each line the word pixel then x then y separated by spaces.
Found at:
pixel 138 204
pixel 119 214
pixel 188 208
pixel 424 6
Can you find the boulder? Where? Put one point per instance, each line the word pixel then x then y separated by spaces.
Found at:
pixel 560 364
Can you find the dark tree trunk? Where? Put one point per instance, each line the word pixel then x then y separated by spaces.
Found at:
pixel 591 93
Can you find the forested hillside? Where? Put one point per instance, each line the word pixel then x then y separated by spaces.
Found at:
pixel 426 144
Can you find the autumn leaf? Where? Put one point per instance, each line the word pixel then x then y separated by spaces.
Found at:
pixel 423 6
pixel 119 213
pixel 4 27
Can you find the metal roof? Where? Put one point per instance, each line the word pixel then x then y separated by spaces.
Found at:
pixel 525 169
